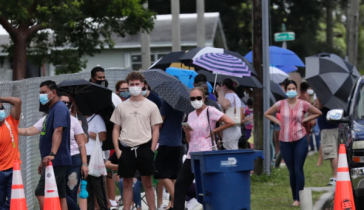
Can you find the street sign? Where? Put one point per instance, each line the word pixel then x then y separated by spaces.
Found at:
pixel 284 36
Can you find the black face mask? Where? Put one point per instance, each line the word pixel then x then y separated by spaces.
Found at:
pixel 100 82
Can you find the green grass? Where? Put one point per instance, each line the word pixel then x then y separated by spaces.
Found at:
pixel 274 192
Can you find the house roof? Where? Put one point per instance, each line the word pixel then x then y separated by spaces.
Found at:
pixel 161 35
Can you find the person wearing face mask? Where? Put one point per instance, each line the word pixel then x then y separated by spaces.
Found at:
pixel 78 150
pixel 54 142
pixel 228 98
pixel 136 126
pixel 9 151
pixel 293 139
pixel 122 90
pixel 199 139
pixel 153 97
pixel 98 77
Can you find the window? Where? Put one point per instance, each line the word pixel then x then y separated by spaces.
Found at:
pixel 359 108
pixel 136 60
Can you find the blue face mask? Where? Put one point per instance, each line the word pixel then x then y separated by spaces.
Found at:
pixel 291 94
pixel 124 94
pixel 2 115
pixel 144 92
pixel 43 98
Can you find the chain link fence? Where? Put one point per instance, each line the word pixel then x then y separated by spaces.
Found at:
pixel 28 91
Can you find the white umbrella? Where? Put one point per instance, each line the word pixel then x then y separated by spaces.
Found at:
pixel 277 75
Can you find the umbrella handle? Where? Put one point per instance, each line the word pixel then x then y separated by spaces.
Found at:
pixel 215 83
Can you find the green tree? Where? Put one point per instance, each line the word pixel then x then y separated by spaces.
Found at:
pixel 63 31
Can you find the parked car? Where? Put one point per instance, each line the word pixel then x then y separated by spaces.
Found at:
pixel 351 133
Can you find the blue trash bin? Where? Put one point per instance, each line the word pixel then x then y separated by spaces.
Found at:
pixel 223 178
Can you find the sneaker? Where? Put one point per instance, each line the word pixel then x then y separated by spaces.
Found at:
pixel 332 182
pixel 165 194
pixel 192 204
pixel 113 203
pixel 162 207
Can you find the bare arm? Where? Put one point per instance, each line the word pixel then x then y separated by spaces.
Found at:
pixel 110 165
pixel 315 113
pixel 16 102
pixel 269 114
pixel 56 142
pixel 155 136
pixel 102 136
pixel 31 131
pixel 227 123
pixel 80 139
pixel 225 103
pixel 115 139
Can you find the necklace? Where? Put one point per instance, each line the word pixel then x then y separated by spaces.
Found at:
pixel 136 106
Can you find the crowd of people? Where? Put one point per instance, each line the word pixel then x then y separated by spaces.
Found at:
pixel 152 141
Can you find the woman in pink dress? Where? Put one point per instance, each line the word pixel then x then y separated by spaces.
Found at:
pixel 199 139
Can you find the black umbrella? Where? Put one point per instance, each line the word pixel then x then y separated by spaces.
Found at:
pixel 170 89
pixel 90 98
pixel 188 57
pixel 167 60
pixel 277 91
pixel 251 82
pixel 332 79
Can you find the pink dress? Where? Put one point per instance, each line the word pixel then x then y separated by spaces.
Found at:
pixel 198 140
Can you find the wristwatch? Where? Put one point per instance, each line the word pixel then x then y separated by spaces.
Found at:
pixel 52 154
pixel 85 164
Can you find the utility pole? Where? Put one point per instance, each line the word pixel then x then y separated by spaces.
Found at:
pixel 145 47
pixel 258 93
pixel 176 27
pixel 266 81
pixel 200 5
pixel 352 30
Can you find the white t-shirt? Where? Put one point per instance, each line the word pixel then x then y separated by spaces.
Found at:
pixel 96 125
pixel 232 133
pixel 76 129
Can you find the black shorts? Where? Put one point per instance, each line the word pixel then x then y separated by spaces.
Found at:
pixel 139 158
pixel 60 173
pixel 168 162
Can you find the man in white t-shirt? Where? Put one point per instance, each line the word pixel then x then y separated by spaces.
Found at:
pixel 140 120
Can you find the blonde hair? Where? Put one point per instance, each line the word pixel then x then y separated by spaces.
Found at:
pixel 201 89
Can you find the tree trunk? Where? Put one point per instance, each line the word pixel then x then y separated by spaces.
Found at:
pixel 329 25
pixel 20 57
pixel 258 93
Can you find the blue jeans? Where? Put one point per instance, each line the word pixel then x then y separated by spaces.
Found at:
pixel 74 177
pixel 137 199
pixel 294 155
pixel 6 180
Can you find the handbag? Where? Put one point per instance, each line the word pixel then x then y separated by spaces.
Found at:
pixel 234 113
pixel 97 166
pixel 213 143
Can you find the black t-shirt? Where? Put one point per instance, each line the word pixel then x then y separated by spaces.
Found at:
pixel 210 102
pixel 155 99
pixel 113 159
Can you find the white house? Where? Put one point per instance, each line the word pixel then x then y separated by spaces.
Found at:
pixel 126 52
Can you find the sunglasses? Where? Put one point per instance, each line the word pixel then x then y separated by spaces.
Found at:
pixel 66 102
pixel 198 98
pixel 2 108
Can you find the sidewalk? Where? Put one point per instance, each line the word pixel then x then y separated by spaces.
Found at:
pixel 145 207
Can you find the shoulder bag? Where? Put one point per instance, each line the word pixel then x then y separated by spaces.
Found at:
pixel 213 143
pixel 234 113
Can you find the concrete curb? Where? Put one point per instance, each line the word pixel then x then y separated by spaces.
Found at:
pixel 324 198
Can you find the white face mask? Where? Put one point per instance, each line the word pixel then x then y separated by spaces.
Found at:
pixel 135 91
pixel 310 92
pixel 197 104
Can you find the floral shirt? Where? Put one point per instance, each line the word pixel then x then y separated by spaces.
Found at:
pixel 199 140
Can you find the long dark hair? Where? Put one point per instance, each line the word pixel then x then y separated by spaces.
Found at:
pixel 290 82
pixel 230 84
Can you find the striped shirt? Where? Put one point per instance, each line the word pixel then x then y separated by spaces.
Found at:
pixel 291 120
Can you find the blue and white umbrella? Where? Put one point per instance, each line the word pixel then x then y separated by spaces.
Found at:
pixel 221 63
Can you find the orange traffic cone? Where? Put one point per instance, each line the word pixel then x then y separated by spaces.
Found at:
pixel 344 199
pixel 51 199
pixel 17 201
